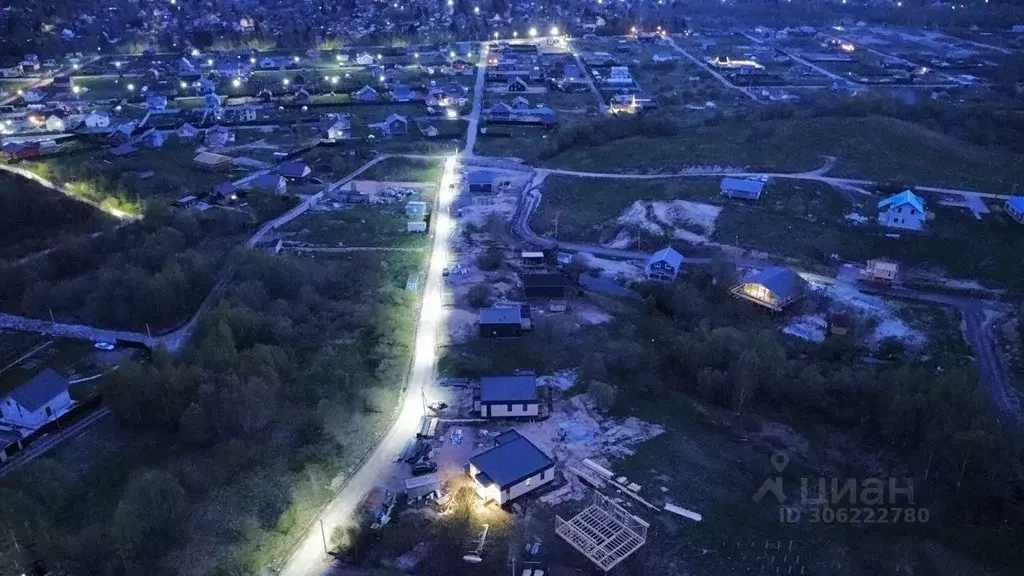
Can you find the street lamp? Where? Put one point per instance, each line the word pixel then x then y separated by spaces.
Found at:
pixel 236 82
pixel 131 87
pixel 285 81
pixel 533 32
pixel 554 30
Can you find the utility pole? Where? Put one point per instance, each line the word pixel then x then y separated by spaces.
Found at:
pixel 323 535
pixel 51 315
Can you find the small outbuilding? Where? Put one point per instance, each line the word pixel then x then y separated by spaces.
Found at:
pixel 481 181
pixel 514 467
pixel 415 209
pixel 507 397
pixel 501 322
pixel 416 226
pixel 212 161
pixel 1015 208
pixel 774 288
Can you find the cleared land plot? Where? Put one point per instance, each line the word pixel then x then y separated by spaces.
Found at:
pixel 405 170
pixel 67 357
pixel 363 226
pixel 873 148
pixel 36 218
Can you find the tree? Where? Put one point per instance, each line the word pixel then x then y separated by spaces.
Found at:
pixel 603 393
pixel 150 514
pixel 480 295
pixel 491 259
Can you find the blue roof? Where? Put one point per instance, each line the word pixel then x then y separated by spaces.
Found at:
pixel 480 177
pixel 905 197
pixel 1017 202
pixel 740 187
pixel 508 389
pixel 42 388
pixel 668 254
pixel 500 315
pixel 511 461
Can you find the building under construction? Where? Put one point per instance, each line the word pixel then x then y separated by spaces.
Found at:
pixel 604 532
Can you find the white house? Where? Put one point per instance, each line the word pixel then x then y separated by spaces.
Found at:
pixel 41 399
pixel 366 94
pixel 664 264
pixel 34 95
pixel 1015 208
pixel 364 59
pixel 54 123
pixel 96 120
pixel 507 397
pixel 418 226
pixel 512 468
pixel 904 210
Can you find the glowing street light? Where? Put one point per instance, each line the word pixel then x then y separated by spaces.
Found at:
pixel 533 32
pixel 554 30
pixel 252 60
pixel 451 114
pixel 381 78
pixel 476 9
pixel 515 34
pixel 416 55
pixel 131 87
pixel 183 85
pixel 285 81
pixel 117 64
pixel 236 82
pixel 334 80
pixel 495 35
pixel 296 59
pixel 75 66
pixel 76 89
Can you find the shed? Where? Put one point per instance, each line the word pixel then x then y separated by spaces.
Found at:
pixel 416 226
pixel 294 170
pixel 774 288
pixel 1015 208
pixel 740 188
pixel 415 209
pixel 545 285
pixel 512 468
pixel 421 486
pixel 533 259
pixel 186 201
pixel 507 397
pixel 500 322
pixel 212 161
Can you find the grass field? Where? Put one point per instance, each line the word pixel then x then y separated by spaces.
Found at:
pixel 404 170
pixel 358 226
pixel 872 148
pixel 38 218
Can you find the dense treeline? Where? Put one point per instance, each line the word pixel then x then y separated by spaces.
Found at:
pixel 227 449
pixel 152 272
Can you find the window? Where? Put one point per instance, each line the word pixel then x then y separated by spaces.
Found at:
pixel 49 411
pixel 509 407
pixel 525 407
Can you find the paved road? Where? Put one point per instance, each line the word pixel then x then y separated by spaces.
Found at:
pixel 310 558
pixel 975 311
pixel 478 102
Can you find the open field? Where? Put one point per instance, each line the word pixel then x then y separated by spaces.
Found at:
pixel 366 226
pixel 404 170
pixel 37 218
pixel 873 148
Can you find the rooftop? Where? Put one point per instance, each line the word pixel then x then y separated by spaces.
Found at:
pixel 511 461
pixel 508 389
pixel 500 315
pixel 42 388
pixel 905 197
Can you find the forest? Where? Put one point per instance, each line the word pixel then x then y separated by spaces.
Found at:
pixel 223 453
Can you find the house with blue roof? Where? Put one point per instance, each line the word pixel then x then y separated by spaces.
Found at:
pixel 1015 208
pixel 903 210
pixel 740 188
pixel 507 397
pixel 774 288
pixel 664 264
pixel 513 468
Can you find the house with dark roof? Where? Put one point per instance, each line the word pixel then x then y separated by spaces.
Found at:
pixel 517 85
pixel 1015 208
pixel 664 264
pixel 34 403
pixel 512 468
pixel 293 170
pixel 480 181
pixel 366 94
pixel 507 397
pixel 903 210
pixel 545 285
pixel 402 94
pixel 503 322
pixel 774 288
pixel 740 188
pixel 270 183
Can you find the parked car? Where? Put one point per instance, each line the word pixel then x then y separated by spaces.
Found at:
pixel 424 467
pixel 108 346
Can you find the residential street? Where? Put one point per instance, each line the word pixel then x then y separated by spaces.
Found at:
pixel 310 558
pixel 478 102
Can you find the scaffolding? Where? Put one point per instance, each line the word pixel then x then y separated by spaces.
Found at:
pixel 604 532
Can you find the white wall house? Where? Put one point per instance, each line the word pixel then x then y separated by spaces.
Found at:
pixel 507 397
pixel 512 468
pixel 904 210
pixel 38 401
pixel 97 120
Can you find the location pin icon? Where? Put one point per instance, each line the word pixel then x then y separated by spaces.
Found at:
pixel 779 461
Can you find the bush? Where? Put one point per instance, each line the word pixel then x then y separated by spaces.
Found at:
pixel 480 295
pixel 603 394
pixel 491 259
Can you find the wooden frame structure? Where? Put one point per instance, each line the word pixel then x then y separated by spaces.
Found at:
pixel 604 532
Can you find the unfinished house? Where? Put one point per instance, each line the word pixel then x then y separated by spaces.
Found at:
pixel 504 322
pixel 604 532
pixel 514 467
pixel 774 288
pixel 507 397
